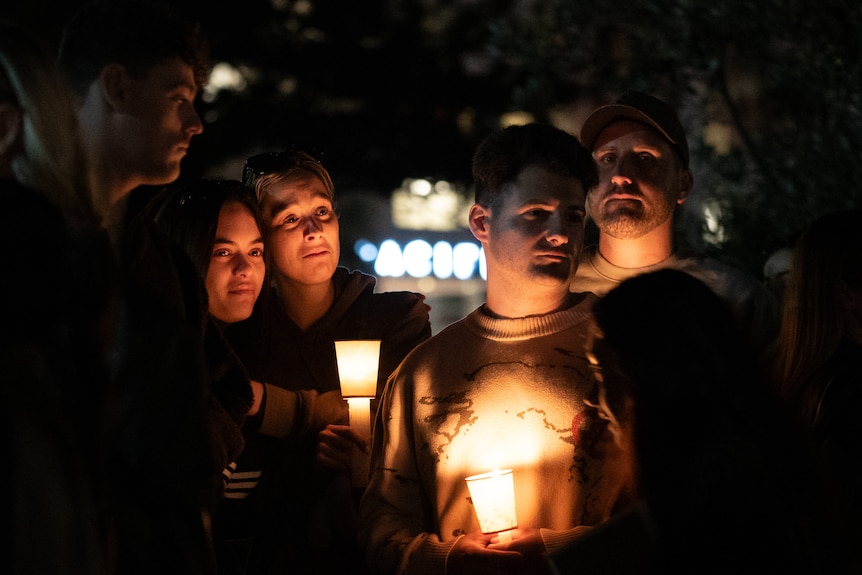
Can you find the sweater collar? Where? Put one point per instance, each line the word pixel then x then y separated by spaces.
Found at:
pixel 517 329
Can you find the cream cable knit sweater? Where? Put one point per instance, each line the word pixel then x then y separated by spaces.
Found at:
pixel 486 393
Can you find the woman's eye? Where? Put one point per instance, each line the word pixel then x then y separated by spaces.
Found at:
pixel 323 212
pixel 256 253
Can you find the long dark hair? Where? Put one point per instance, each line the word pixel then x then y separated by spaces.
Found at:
pixel 827 256
pixel 189 215
pixel 681 347
pixel 716 450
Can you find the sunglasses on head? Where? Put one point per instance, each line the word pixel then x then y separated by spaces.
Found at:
pixel 213 189
pixel 271 162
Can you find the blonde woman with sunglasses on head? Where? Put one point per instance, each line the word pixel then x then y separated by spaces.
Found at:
pixel 301 517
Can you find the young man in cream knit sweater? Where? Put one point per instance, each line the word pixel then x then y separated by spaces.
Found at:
pixel 502 388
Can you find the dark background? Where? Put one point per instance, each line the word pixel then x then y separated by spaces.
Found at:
pixel 378 85
pixel 768 90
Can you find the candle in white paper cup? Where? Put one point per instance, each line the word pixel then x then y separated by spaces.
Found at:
pixel 493 496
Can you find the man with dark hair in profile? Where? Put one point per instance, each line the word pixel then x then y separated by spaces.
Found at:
pixel 136 69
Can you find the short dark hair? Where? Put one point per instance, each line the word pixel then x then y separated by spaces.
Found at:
pixel 504 154
pixel 134 33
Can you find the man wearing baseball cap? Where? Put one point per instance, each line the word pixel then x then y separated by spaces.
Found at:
pixel 643 159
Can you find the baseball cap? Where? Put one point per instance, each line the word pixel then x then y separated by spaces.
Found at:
pixel 634 105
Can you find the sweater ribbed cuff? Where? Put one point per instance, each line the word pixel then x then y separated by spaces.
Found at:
pixel 556 539
pixel 429 556
pixel 280 413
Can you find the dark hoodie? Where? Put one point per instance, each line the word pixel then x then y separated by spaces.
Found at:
pixel 306 512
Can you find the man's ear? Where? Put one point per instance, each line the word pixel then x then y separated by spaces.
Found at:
pixel 113 82
pixel 478 219
pixel 685 181
pixel 10 127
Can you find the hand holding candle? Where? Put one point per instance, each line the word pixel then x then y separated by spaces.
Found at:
pixel 493 496
pixel 357 371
